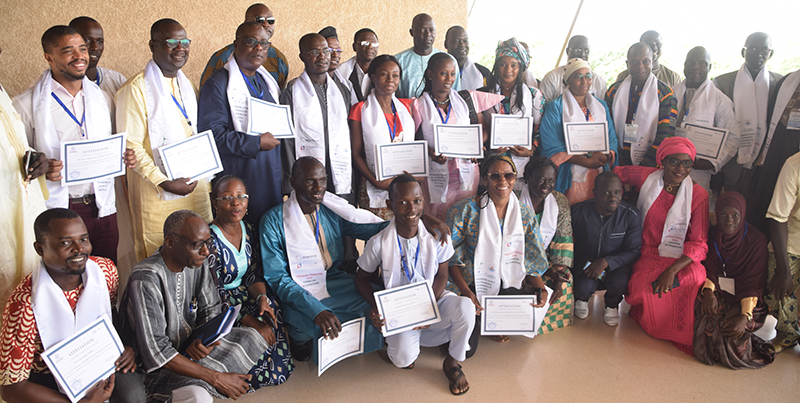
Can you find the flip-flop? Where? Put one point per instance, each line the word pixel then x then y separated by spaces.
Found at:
pixel 409 367
pixel 454 381
pixel 501 339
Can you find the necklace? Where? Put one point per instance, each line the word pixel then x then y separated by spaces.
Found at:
pixel 445 102
pixel 670 187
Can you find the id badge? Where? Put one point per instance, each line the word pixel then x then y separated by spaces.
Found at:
pixel 631 133
pixel 794 121
pixel 728 285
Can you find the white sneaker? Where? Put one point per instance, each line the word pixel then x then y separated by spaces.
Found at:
pixel 611 316
pixel 581 309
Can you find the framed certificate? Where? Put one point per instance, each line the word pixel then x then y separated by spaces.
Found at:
pixel 85 358
pixel 263 117
pixel 394 158
pixel 349 343
pixel 194 157
pixel 511 130
pixel 458 141
pixel 407 307
pixel 508 315
pixel 86 161
pixel 585 137
pixel 707 140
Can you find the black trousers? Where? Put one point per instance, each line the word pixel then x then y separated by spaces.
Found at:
pixel 615 283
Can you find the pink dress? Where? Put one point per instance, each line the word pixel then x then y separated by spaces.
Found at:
pixel 670 317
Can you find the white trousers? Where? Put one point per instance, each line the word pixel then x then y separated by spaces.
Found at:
pixel 458 320
pixel 191 394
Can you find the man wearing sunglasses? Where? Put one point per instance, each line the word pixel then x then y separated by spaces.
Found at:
pixel 158 322
pixel 366 46
pixel 223 110
pixel 275 62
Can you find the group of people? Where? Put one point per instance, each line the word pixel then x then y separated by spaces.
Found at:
pixel 275 231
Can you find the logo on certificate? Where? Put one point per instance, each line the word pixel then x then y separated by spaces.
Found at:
pixel 491 325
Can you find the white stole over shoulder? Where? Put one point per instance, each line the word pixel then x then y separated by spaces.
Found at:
pixel 646 115
pixel 375 131
pixel 571 112
pixel 238 92
pixel 750 99
pixel 391 266
pixel 438 175
pixel 302 251
pixel 471 77
pixel 702 107
pixel 547 227
pixel 784 95
pixel 97 126
pixel 677 224
pixel 54 317
pixel 310 140
pixel 500 252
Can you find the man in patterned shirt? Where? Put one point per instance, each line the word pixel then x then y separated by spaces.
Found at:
pixel 89 285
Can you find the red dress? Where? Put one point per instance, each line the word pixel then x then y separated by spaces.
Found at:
pixel 670 317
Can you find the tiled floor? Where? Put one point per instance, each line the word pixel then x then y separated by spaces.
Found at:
pixel 586 362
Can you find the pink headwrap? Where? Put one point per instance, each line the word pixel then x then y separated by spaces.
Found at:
pixel 675 145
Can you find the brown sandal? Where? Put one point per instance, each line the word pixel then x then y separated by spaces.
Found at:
pixel 501 339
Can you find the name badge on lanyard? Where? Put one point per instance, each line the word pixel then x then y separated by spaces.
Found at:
pixel 631 133
pixel 794 120
pixel 728 285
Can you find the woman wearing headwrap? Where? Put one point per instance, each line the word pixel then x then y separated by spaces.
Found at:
pixel 667 277
pixel 508 79
pixel 729 307
pixel 576 173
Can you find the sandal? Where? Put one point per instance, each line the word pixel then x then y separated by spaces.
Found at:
pixel 454 380
pixel 501 339
pixel 409 367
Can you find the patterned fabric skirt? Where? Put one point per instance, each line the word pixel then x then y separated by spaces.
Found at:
pixel 363 201
pixel 560 312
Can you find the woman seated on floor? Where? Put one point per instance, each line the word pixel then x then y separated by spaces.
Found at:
pixel 729 308
pixel 235 263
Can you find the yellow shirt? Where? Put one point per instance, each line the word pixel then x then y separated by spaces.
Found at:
pixel 785 205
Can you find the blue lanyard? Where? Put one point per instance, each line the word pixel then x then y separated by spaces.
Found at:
pixel 252 87
pixel 405 265
pixel 74 119
pixel 725 261
pixel 183 111
pixel 587 114
pixel 316 234
pixel 449 108
pixel 97 80
pixel 630 104
pixel 687 113
pixel 393 131
pixel 506 105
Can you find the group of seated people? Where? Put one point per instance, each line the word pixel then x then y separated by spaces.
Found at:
pixel 275 231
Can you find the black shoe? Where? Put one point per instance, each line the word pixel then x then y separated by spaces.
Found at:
pixel 301 351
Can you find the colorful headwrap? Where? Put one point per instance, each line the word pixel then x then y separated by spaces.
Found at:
pixel 488 162
pixel 574 65
pixel 675 145
pixel 513 48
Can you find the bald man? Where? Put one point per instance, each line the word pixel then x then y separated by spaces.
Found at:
pixel 275 63
pixel 653 40
pixel 414 60
pixel 553 83
pixel 473 75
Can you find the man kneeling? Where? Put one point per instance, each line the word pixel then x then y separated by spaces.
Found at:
pixel 392 249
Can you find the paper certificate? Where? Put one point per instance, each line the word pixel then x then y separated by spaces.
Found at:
pixel 85 358
pixel 407 307
pixel 511 130
pixel 584 137
pixel 508 315
pixel 263 117
pixel 458 141
pixel 349 343
pixel 86 161
pixel 707 140
pixel 194 157
pixel 394 158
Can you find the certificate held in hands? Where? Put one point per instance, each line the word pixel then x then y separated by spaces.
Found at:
pixel 458 141
pixel 511 130
pixel 194 157
pixel 404 308
pixel 86 161
pixel 586 137
pixel 394 158
pixel 266 117
pixel 707 140
pixel 349 343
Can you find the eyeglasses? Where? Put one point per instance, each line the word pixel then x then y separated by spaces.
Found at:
pixel 764 50
pixel 317 52
pixel 337 51
pixel 367 44
pixel 173 43
pixel 579 77
pixel 229 199
pixel 580 50
pixel 675 162
pixel 196 246
pixel 260 20
pixel 508 176
pixel 251 42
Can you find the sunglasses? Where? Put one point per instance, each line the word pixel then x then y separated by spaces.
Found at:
pixel 367 44
pixel 196 246
pixel 229 199
pixel 675 162
pixel 251 42
pixel 508 176
pixel 173 43
pixel 260 20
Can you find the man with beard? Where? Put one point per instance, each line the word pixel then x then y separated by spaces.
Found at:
pixel 473 75
pixel 365 44
pixel 37 317
pixel 92 33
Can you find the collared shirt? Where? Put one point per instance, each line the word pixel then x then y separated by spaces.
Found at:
pixel 66 128
pixel 785 205
pixel 617 238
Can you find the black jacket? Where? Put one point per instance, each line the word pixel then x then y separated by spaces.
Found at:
pixel 619 240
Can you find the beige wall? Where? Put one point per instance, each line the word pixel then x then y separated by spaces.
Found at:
pixel 210 25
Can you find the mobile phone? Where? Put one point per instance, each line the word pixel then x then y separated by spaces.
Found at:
pixel 30 156
pixel 675 284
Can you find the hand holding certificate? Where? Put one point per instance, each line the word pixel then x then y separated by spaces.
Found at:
pixel 458 141
pixel 266 117
pixel 395 158
pixel 86 161
pixel 512 314
pixel 511 130
pixel 404 308
pixel 707 140
pixel 194 157
pixel 585 137
pixel 350 342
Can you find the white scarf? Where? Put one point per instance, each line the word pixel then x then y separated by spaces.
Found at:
pixel 310 139
pixel 677 224
pixel 238 92
pixel 547 227
pixel 375 131
pixel 471 77
pixel 571 112
pixel 54 317
pixel 347 70
pixel 646 115
pixel 438 175
pixel 391 265
pixel 702 106
pixel 527 110
pixel 784 95
pixel 97 126
pixel 164 118
pixel 500 252
pixel 750 105
pixel 305 259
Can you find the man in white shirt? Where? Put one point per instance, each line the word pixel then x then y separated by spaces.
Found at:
pixel 553 83
pixel 365 44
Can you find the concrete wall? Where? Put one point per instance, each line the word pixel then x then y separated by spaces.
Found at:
pixel 211 25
